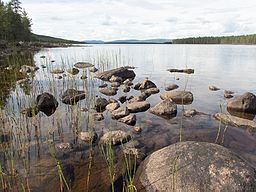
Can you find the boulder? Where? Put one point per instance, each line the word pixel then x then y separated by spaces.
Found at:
pixel 147 84
pixel 171 87
pixel 179 97
pixel 73 71
pixel 88 136
pixel 166 109
pixel 82 65
pixel 115 138
pixel 122 72
pixel 234 121
pixel 109 91
pixel 243 103
pixel 129 119
pixel 112 106
pixel 120 112
pixel 100 104
pixel 47 103
pixel 195 166
pixel 139 106
pixel 151 91
pixel 72 96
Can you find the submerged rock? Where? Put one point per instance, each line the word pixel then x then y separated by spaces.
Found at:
pixel 72 96
pixel 122 72
pixel 120 112
pixel 139 106
pixel 47 103
pixel 243 103
pixel 188 71
pixel 109 91
pixel 88 136
pixel 179 97
pixel 171 87
pixel 228 94
pixel 190 112
pixel 147 84
pixel 82 65
pixel 129 119
pixel 100 104
pixel 73 71
pixel 195 166
pixel 234 121
pixel 166 109
pixel 115 138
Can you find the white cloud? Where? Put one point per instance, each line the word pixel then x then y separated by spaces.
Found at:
pixel 121 19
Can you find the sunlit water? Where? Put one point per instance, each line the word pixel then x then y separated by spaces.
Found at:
pixel 228 67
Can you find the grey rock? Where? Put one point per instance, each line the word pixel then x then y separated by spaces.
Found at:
pixel 243 103
pixel 83 65
pixel 103 85
pixel 213 88
pixel 171 87
pixel 98 116
pixel 151 91
pixel 57 71
pixel 126 89
pixel 115 79
pixel 109 91
pixel 115 138
pixel 120 112
pixel 146 84
pixel 122 99
pixel 115 84
pixel 129 119
pixel 100 104
pixel 166 109
pixel 195 166
pixel 179 97
pixel 139 106
pixel 88 136
pixel 47 103
pixel 112 106
pixel 188 71
pixel 72 96
pixel 190 112
pixel 137 86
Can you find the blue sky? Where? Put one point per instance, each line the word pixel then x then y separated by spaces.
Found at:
pixel 141 19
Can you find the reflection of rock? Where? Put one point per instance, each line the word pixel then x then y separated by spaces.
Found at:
pixel 234 121
pixel 138 106
pixel 122 72
pixel 147 84
pixel 73 71
pixel 100 104
pixel 171 87
pixel 195 166
pixel 188 71
pixel 120 112
pixel 72 96
pixel 166 108
pixel 244 103
pixel 115 138
pixel 47 103
pixel 243 115
pixel 30 112
pixel 109 91
pixel 129 119
pixel 179 97
pixel 213 88
pixel 83 65
pixel 88 136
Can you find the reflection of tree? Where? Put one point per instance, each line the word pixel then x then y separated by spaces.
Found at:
pixel 9 74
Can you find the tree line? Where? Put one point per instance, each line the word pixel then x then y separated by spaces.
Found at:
pixel 242 39
pixel 15 25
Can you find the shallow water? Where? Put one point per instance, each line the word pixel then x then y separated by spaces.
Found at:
pixel 228 67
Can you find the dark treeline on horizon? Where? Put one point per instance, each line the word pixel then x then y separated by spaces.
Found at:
pixel 15 25
pixel 242 39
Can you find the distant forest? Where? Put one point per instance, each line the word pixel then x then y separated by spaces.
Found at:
pixel 15 25
pixel 242 39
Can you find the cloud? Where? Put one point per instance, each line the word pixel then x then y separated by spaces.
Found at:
pixel 121 19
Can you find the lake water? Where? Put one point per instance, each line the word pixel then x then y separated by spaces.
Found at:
pixel 229 67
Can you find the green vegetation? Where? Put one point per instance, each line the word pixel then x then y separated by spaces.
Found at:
pixel 242 39
pixel 48 39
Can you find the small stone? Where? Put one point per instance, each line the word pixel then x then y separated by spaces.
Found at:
pixel 101 104
pixel 122 99
pixel 137 86
pixel 115 79
pixel 93 70
pixel 83 77
pixel 108 91
pixel 115 84
pixel 137 129
pixel 73 71
pixel 112 106
pixel 147 84
pixel 213 88
pixel 126 89
pixel 190 112
pixel 115 138
pixel 103 85
pixel 120 112
pixel 88 136
pixel 98 116
pixel 138 106
pixel 171 87
pixel 129 119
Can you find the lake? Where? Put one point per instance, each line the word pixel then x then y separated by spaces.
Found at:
pixel 229 67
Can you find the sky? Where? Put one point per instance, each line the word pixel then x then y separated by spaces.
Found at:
pixel 140 19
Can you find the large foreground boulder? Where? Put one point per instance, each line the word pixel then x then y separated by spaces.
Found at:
pixel 72 96
pixel 195 166
pixel 243 103
pixel 179 97
pixel 122 72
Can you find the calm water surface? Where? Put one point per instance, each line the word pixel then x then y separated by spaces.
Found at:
pixel 228 67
